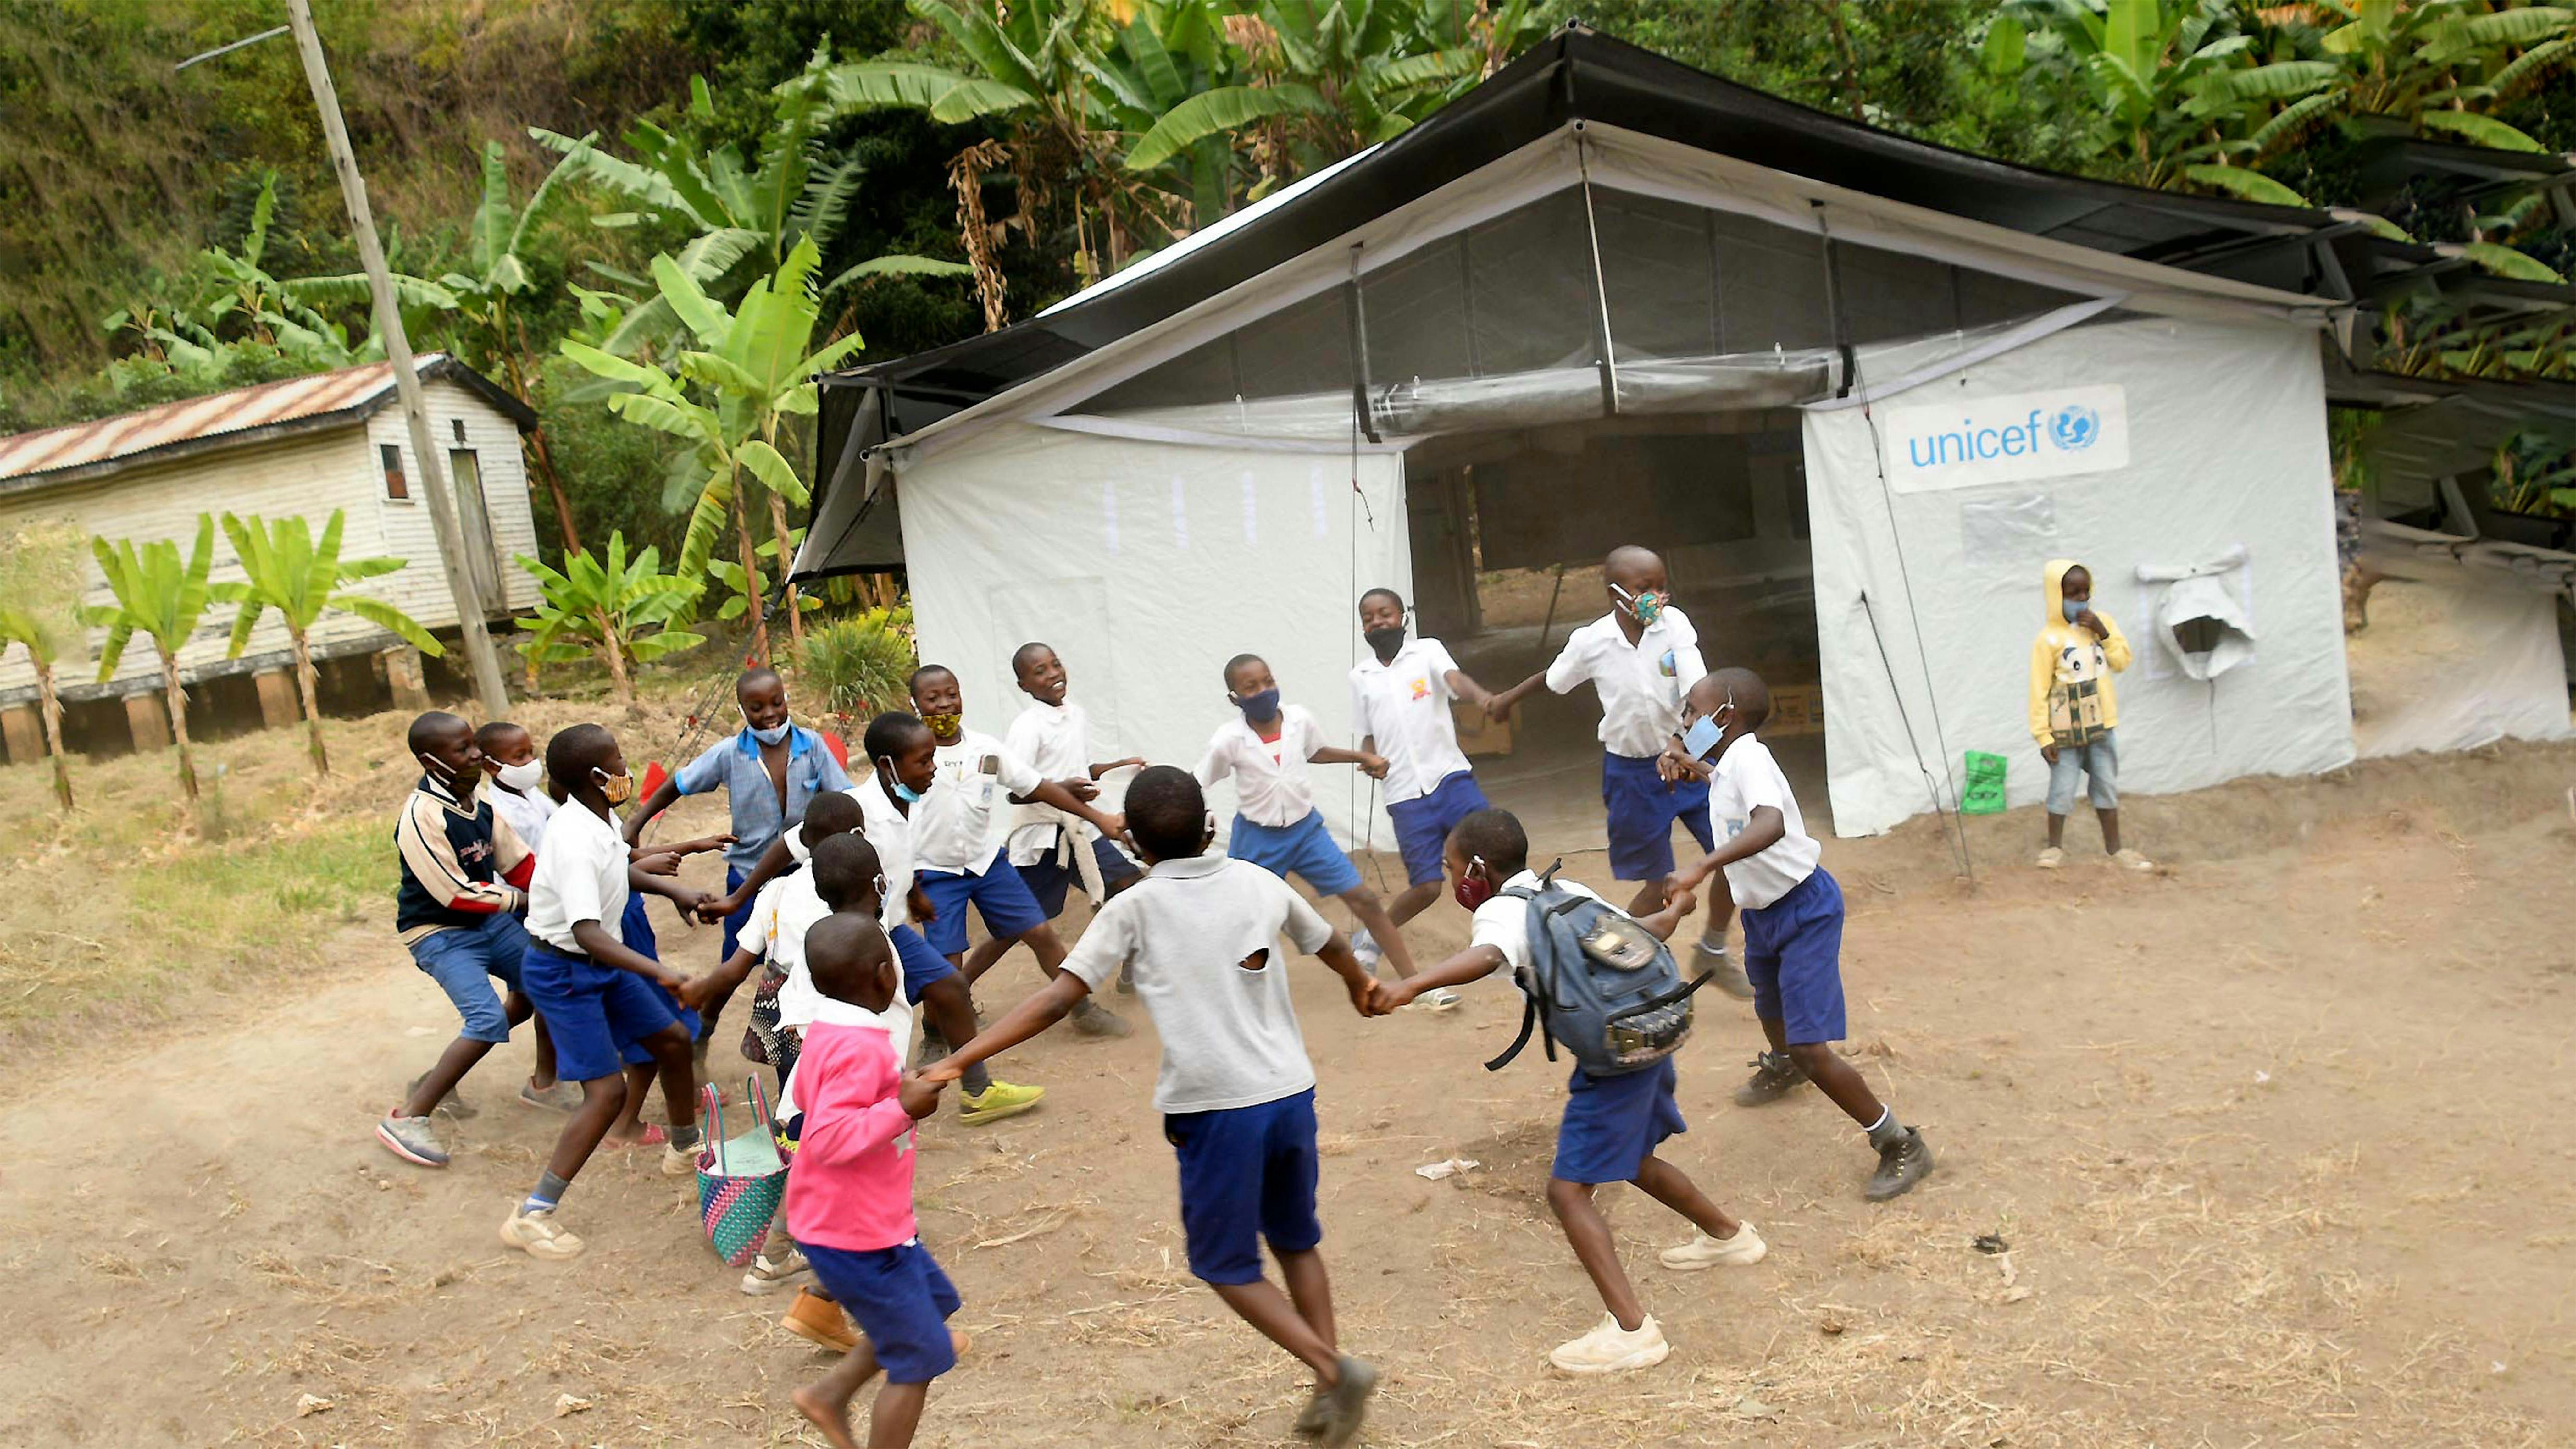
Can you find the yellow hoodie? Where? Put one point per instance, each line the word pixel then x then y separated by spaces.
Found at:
pixel 2071 698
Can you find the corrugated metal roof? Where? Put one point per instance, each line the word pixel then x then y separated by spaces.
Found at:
pixel 89 449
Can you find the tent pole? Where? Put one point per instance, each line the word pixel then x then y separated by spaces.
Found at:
pixel 1356 311
pixel 1835 321
pixel 1600 284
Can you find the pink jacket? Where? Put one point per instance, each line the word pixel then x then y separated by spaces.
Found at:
pixel 849 1184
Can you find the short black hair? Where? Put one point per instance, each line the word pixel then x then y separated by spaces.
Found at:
pixel 756 674
pixel 912 682
pixel 1496 838
pixel 890 732
pixel 573 753
pixel 1388 594
pixel 834 812
pixel 1167 812
pixel 844 867
pixel 1752 697
pixel 1237 662
pixel 493 733
pixel 426 729
pixel 839 949
pixel 1026 655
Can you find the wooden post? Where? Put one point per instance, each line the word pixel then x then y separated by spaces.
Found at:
pixel 402 671
pixel 24 732
pixel 277 707
pixel 148 722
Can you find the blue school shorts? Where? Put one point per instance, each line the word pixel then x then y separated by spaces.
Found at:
pixel 1001 897
pixel 923 967
pixel 636 929
pixel 734 923
pixel 1305 849
pixel 465 960
pixel 1422 826
pixel 1048 881
pixel 592 1011
pixel 1613 1124
pixel 900 1298
pixel 1643 807
pixel 1247 1174
pixel 1793 950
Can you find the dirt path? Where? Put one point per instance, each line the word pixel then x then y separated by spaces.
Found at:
pixel 2277 1142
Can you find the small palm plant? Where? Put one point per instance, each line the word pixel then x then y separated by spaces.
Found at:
pixel 285 570
pixel 40 588
pixel 604 607
pixel 163 599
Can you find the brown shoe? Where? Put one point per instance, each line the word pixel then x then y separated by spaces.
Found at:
pixel 819 1321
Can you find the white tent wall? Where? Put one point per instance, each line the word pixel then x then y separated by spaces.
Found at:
pixel 1147 566
pixel 2456 656
pixel 2225 438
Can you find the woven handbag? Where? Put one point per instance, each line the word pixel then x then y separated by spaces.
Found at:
pixel 742 1180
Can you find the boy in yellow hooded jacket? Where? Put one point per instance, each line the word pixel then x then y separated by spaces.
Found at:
pixel 2075 710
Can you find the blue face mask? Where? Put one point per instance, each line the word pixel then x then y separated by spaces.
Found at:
pixel 1259 707
pixel 2072 607
pixel 771 737
pixel 895 785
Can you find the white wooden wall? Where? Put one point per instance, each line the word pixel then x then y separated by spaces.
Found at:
pixel 307 475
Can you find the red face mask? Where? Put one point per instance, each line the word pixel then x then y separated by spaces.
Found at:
pixel 1473 890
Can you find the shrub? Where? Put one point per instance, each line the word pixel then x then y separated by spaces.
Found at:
pixel 859 665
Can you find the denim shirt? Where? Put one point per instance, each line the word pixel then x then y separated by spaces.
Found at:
pixel 733 766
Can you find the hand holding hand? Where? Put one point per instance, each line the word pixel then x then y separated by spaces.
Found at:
pixel 696 992
pixel 1498 709
pixel 919 1095
pixel 1374 766
pixel 1080 788
pixel 1682 902
pixel 714 909
pixel 942 1071
pixel 1115 826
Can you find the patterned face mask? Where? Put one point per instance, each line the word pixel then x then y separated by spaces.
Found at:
pixel 1647 607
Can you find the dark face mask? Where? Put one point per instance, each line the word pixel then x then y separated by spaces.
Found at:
pixel 1259 707
pixel 1385 641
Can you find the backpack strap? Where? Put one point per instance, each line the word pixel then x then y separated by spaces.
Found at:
pixel 1529 1024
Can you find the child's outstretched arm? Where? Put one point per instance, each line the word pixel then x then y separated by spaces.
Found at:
pixel 1663 923
pixel 604 948
pixel 771 863
pixel 1500 706
pixel 1464 686
pixel 697 991
pixel 1052 1003
pixel 1356 978
pixel 1370 763
pixel 1759 834
pixel 1473 964
pixel 1052 792
pixel 663 797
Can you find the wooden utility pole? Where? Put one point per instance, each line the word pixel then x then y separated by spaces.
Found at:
pixel 481 661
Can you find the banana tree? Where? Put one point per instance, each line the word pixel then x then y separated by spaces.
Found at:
pixel 285 570
pixel 162 598
pixel 730 396
pixel 602 607
pixel 2167 85
pixel 40 588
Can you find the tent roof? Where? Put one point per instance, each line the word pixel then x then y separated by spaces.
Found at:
pixel 1581 75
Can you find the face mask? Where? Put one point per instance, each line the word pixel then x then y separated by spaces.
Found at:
pixel 1259 707
pixel 943 725
pixel 1647 607
pixel 436 770
pixel 1385 641
pixel 1702 736
pixel 1474 890
pixel 881 887
pixel 797 850
pixel 2072 607
pixel 894 782
pixel 618 789
pixel 772 737
pixel 523 776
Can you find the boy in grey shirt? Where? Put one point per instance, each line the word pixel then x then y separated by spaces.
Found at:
pixel 1236 1089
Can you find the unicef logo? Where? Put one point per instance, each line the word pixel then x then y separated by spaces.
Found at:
pixel 2075 428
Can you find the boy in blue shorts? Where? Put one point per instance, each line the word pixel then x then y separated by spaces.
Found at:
pixel 1276 826
pixel 1612 1126
pixel 1793 920
pixel 595 992
pixel 1050 850
pixel 1236 1089
pixel 1400 705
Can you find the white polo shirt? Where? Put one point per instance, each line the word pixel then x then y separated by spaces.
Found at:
pixel 1056 741
pixel 1641 685
pixel 527 813
pixel 1748 777
pixel 1503 922
pixel 954 824
pixel 781 914
pixel 1271 784
pixel 1204 933
pixel 890 831
pixel 1404 705
pixel 580 876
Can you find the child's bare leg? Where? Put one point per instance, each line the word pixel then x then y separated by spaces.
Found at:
pixel 601 1098
pixel 544 1075
pixel 1311 1291
pixel 2056 831
pixel 1412 901
pixel 442 1077
pixel 1261 1304
pixel 629 1126
pixel 670 1049
pixel 896 1414
pixel 1668 1185
pixel 1838 1078
pixel 950 1008
pixel 1721 913
pixel 1648 900
pixel 1589 1233
pixel 1370 914
pixel 981 959
pixel 2110 829
pixel 1776 1034
pixel 826 1401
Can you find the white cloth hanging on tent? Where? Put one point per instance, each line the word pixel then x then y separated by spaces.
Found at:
pixel 2203 591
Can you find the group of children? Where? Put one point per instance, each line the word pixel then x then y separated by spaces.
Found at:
pixel 855 897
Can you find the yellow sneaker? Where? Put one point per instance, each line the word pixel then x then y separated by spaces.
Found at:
pixel 536 1233
pixel 999 1100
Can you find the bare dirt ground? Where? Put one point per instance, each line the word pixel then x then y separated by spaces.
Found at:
pixel 2276 1138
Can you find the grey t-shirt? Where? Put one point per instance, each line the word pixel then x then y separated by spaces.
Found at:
pixel 1203 934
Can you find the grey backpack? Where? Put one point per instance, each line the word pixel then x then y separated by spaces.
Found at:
pixel 1599 983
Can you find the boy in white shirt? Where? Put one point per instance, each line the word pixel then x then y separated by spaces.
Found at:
pixel 957 852
pixel 1236 1089
pixel 1612 1125
pixel 1276 825
pixel 1793 920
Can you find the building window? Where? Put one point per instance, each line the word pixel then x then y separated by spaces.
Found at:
pixel 396 486
pixel 457 425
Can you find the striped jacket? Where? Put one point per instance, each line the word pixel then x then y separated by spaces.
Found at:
pixel 461 864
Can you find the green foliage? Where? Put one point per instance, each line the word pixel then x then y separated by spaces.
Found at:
pixel 859 664
pixel 163 599
pixel 286 570
pixel 40 590
pixel 622 612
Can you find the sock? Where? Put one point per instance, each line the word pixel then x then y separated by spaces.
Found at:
pixel 683 1138
pixel 976 1080
pixel 1886 1130
pixel 550 1191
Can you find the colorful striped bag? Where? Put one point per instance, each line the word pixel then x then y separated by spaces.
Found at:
pixel 742 1180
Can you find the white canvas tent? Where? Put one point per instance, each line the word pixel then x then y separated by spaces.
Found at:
pixel 1211 452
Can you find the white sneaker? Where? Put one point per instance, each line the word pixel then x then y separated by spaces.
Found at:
pixel 536 1232
pixel 2051 858
pixel 770 1272
pixel 1365 947
pixel 1441 999
pixel 1610 1349
pixel 1702 1251
pixel 2131 860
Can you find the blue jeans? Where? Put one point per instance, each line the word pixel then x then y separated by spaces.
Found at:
pixel 2097 765
pixel 464 961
